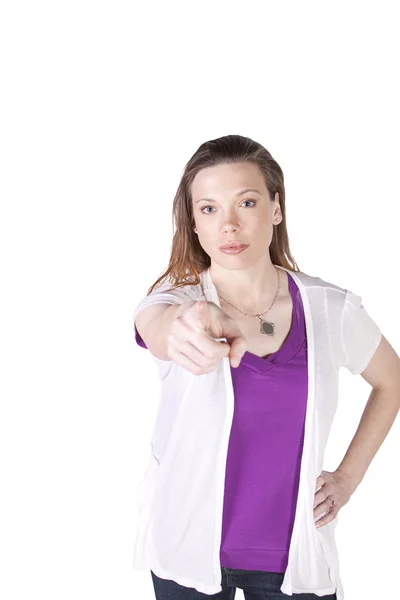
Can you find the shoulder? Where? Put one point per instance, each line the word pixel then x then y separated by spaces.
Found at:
pixel 315 283
pixel 336 299
pixel 167 293
pixel 187 289
pixel 333 296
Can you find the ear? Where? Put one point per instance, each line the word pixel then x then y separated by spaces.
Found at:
pixel 277 205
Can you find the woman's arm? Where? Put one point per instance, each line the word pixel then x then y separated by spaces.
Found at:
pixel 383 374
pixel 153 323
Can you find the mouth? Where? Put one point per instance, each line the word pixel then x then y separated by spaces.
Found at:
pixel 233 245
pixel 233 248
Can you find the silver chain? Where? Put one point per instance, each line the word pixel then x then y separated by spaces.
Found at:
pixel 266 327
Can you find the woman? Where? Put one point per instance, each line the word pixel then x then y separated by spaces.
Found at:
pixel 248 350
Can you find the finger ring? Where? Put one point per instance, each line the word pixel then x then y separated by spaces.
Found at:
pixel 333 502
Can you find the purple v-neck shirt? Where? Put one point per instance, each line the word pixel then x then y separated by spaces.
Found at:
pixel 264 452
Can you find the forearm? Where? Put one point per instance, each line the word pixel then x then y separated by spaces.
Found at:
pixel 378 416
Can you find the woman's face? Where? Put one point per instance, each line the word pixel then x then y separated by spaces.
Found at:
pixel 221 215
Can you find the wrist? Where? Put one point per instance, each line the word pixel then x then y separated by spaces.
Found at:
pixel 352 479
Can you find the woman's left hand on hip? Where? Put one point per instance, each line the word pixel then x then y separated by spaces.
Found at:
pixel 336 486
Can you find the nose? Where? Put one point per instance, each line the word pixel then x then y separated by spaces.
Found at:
pixel 230 231
pixel 231 224
pixel 229 220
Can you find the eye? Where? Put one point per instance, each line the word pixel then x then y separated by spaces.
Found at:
pixel 204 207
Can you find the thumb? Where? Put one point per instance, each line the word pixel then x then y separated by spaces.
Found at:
pixel 236 352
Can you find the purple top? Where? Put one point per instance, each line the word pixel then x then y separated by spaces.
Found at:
pixel 264 452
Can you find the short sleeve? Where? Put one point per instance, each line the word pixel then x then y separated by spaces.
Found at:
pixel 163 294
pixel 359 333
pixel 138 338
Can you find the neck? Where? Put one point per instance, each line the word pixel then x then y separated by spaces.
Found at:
pixel 249 289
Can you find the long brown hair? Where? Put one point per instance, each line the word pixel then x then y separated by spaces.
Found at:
pixel 188 259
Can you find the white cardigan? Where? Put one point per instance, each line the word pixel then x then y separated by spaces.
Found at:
pixel 180 499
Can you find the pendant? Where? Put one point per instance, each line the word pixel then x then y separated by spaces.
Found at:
pixel 267 327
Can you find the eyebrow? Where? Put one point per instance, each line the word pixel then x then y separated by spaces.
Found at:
pixel 238 194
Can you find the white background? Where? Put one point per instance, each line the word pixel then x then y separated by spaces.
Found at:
pixel 102 104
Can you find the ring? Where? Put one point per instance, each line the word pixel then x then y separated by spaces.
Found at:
pixel 333 502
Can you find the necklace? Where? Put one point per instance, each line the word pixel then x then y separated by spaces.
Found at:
pixel 266 327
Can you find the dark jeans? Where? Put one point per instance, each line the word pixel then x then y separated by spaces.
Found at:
pixel 256 585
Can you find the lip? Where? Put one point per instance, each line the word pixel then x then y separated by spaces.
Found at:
pixel 233 245
pixel 234 248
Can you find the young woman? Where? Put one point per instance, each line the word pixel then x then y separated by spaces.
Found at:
pixel 248 350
